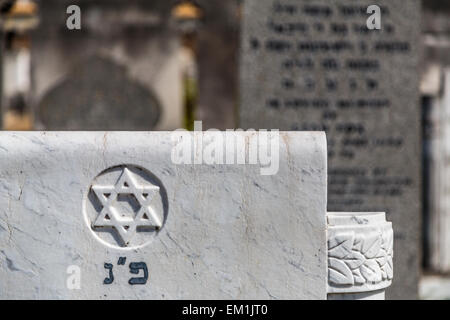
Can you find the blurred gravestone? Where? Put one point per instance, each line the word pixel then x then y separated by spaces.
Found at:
pixel 315 65
pixel 121 70
pixel 97 95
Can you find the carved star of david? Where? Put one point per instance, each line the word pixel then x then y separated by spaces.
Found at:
pixel 109 216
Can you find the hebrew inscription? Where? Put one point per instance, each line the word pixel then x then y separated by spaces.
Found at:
pixel 135 268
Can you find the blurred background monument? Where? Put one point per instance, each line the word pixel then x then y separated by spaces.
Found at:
pixel 133 65
pixel 316 65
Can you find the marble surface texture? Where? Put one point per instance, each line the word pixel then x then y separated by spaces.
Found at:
pixel 78 209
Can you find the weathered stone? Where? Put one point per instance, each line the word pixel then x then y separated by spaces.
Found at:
pixel 68 202
pixel 315 65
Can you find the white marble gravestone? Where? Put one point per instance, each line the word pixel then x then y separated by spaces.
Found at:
pixel 195 231
pixel 106 215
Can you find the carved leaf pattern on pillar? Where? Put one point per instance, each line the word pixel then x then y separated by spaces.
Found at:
pixel 356 259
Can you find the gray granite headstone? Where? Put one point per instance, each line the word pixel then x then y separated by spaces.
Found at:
pixel 315 65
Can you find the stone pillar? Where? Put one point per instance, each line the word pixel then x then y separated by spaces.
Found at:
pixel 439 216
pixel 360 251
